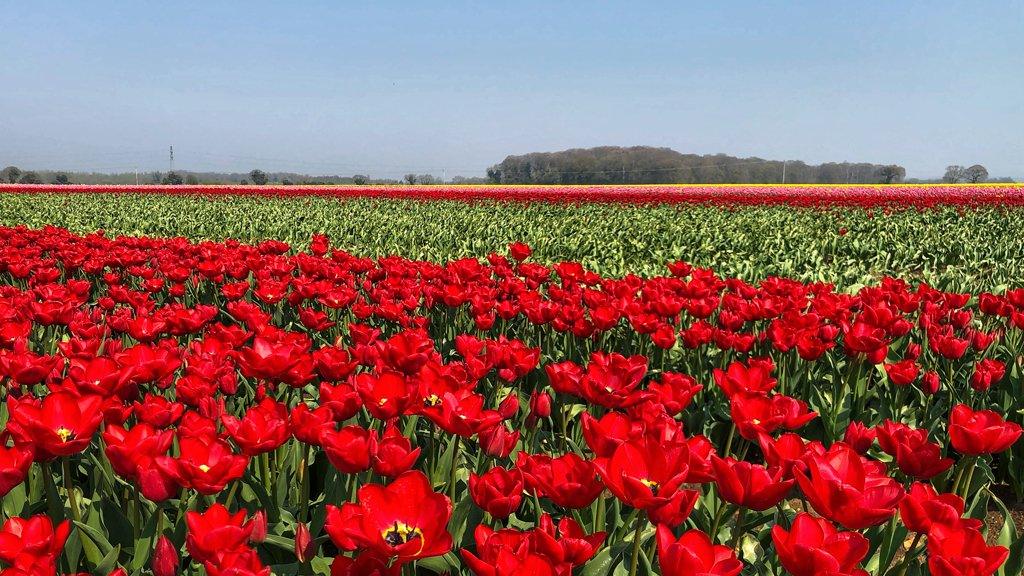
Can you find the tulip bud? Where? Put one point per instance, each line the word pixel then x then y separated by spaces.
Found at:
pixel 165 558
pixel 930 383
pixel 540 405
pixel 118 572
pixel 259 527
pixel 509 406
pixel 913 351
pixel 859 437
pixel 305 548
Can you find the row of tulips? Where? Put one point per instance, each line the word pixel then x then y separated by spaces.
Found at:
pixel 231 410
pixel 863 195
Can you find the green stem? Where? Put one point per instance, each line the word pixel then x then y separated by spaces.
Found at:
pixel 454 469
pixel 738 528
pixel 636 544
pixel 304 484
pixel 69 487
pixel 728 442
pixel 719 515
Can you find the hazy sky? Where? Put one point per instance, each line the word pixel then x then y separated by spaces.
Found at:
pixel 388 88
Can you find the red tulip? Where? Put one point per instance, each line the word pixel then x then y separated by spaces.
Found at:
pixel 165 559
pixel 694 553
pixel 33 545
pixel 755 377
pixel 749 485
pixel 497 441
pixel 960 551
pixel 924 507
pixel 350 449
pixel 843 488
pixel 986 373
pixel 394 453
pixel 915 455
pixel 859 437
pixel 644 473
pixel 405 520
pixel 980 432
pixel 216 532
pixel 568 480
pixel 14 465
pixel 205 464
pixel 58 425
pixel 756 413
pixel 813 546
pixel 305 546
pixel 263 428
pixel 498 491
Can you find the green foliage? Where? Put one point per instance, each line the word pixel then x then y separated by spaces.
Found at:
pixel 950 248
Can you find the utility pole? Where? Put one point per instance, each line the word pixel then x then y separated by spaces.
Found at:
pixel 136 176
pixel 172 160
pixel 784 171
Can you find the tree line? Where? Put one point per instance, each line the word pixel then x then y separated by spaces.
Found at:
pixel 649 165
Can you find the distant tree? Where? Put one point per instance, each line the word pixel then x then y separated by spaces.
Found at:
pixel 426 179
pixel 30 177
pixel 954 174
pixel 191 180
pixel 891 174
pixel 258 177
pixel 359 179
pixel 976 173
pixel 11 174
pixel 286 182
pixel 61 179
pixel 410 179
pixel 156 177
pixel 173 178
pixel 649 165
pixel 244 182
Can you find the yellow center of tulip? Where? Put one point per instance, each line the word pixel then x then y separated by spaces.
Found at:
pixel 400 533
pixel 650 484
pixel 65 434
pixel 204 467
pixel 432 400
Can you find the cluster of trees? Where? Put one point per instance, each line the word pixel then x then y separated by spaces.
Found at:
pixel 14 175
pixel 648 165
pixel 973 174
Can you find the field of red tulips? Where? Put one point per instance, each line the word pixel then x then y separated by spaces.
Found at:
pixel 812 195
pixel 232 409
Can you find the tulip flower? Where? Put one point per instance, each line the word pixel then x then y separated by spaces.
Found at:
pixel 33 545
pixel 924 507
pixel 498 491
pixel 404 520
pixel 205 464
pixel 14 465
pixel 749 485
pixel 216 532
pixel 842 488
pixel 694 553
pixel 165 558
pixel 961 551
pixel 813 546
pixel 350 449
pixel 263 428
pixel 58 425
pixel 980 432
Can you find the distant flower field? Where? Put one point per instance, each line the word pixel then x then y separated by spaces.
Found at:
pixel 352 382
pixel 898 195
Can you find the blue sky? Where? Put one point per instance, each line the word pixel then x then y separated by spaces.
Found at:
pixel 387 88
